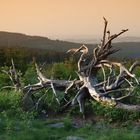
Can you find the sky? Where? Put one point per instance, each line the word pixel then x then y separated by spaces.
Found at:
pixel 69 18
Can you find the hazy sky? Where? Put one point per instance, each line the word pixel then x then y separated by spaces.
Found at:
pixel 67 18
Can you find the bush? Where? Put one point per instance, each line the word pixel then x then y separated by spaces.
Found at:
pixel 4 79
pixel 63 70
pixel 112 114
pixel 9 100
pixel 30 76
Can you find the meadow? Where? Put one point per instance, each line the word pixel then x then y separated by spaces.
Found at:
pixel 103 123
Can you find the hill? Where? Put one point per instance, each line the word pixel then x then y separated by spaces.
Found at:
pixel 95 39
pixel 11 40
pixel 127 49
pixel 8 39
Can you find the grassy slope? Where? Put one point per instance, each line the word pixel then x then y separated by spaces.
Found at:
pixel 8 39
pixel 38 130
pixel 15 124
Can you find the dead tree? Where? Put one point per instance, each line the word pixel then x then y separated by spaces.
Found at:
pixel 111 84
pixel 48 84
pixel 88 85
pixel 14 76
pixel 112 90
pixel 43 83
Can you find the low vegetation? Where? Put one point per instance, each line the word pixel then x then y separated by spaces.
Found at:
pixel 102 122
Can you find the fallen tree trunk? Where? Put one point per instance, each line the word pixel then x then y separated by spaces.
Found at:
pixel 88 86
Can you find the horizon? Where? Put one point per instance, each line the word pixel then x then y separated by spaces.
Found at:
pixel 68 19
pixel 83 39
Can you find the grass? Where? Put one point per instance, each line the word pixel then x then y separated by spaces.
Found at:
pixel 38 130
pixel 16 124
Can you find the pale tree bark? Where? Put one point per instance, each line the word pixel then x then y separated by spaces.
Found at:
pixel 111 83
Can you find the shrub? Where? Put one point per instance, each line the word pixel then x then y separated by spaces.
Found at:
pixel 30 76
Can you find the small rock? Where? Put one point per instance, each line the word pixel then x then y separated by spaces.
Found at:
pixel 56 125
pixel 75 125
pixel 136 129
pixel 74 138
pixel 100 126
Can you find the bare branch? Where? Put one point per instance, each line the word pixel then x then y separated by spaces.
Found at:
pixel 104 34
pixel 55 93
pixel 39 100
pixel 114 36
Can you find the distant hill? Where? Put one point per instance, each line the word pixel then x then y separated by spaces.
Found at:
pixel 128 49
pixel 8 39
pixel 96 39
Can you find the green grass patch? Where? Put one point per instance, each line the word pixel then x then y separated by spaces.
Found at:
pixel 38 130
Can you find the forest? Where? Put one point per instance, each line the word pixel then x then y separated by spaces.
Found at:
pixel 80 93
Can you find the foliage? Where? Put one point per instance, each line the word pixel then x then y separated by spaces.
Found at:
pixel 18 124
pixel 11 101
pixel 30 75
pixel 11 106
pixel 113 115
pixel 22 56
pixel 4 80
pixel 64 70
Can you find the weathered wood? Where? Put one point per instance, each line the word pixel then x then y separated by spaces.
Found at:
pixel 13 76
pixel 111 83
pixel 88 85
